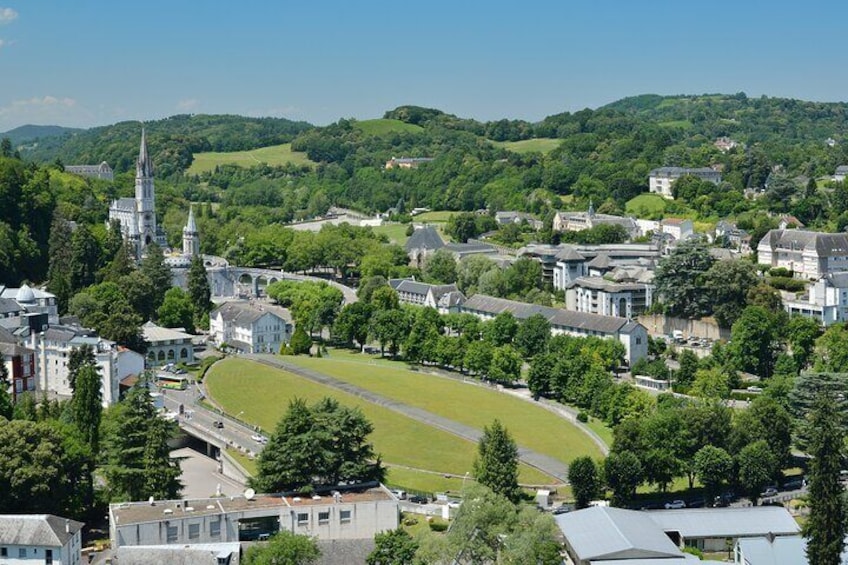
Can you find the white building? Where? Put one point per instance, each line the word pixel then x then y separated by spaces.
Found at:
pixel 167 345
pixel 826 300
pixel 660 180
pixel 191 237
pixel 138 215
pixel 810 255
pixel 53 348
pixel 446 298
pixel 624 291
pixel 250 328
pixel 29 301
pixel 102 171
pixel 348 513
pixel 579 221
pixel 26 539
pixel 841 173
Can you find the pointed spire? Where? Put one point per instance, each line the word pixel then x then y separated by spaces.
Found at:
pixel 591 209
pixel 191 226
pixel 144 167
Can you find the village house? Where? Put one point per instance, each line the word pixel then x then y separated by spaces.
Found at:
pixel 660 180
pixel 446 298
pixel 840 173
pixel 29 301
pixel 826 300
pixel 808 254
pixel 407 162
pixel 579 221
pixel 40 538
pixel 250 328
pixel 167 345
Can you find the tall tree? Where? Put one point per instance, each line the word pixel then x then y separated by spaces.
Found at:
pixel 679 280
pixel 395 547
pixel 440 267
pixel 284 548
pixel 623 472
pixel 728 283
pixel 85 258
pixel 496 465
pixel 757 467
pixel 352 323
pixel 153 265
pixel 827 525
pixel 59 254
pixel 583 476
pixel 713 465
pixel 755 341
pixel 532 335
pixel 87 404
pixel 177 310
pixel 199 291
pixel 6 408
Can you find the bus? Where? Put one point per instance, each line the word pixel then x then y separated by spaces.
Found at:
pixel 173 382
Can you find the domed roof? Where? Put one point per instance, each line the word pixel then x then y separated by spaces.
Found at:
pixel 25 294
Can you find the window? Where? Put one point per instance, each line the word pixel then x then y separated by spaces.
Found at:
pixel 193 531
pixel 48 556
pixel 324 517
pixel 172 534
pixel 302 518
pixel 638 341
pixel 344 516
pixel 215 529
pixel 22 552
pixel 4 552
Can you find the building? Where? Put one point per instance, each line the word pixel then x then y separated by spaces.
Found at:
pixel 102 171
pixel 351 512
pixel 137 216
pixel 605 536
pixel 569 262
pixel 579 221
pixel 167 345
pixel 40 538
pixel 20 365
pixel 423 242
pixel 725 144
pixel 407 162
pixel 732 236
pixel 808 254
pixel 504 218
pixel 632 335
pixel 826 300
pixel 714 529
pixel 623 291
pixel 678 228
pixel 841 173
pixel 191 237
pixel 53 348
pixel 27 300
pixel 660 180
pixel 250 328
pixel 446 298
pixel 193 554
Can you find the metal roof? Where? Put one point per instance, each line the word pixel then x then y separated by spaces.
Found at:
pixel 44 530
pixel 693 523
pixel 424 238
pixel 614 533
pixel 781 550
pixel 153 333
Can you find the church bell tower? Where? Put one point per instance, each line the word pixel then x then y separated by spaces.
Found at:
pixel 145 197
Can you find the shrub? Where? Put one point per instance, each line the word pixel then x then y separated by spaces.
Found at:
pixel 787 283
pixel 438 526
pixel 780 272
pixel 582 417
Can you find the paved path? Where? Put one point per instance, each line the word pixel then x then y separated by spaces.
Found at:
pixel 544 463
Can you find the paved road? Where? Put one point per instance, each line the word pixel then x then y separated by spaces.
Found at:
pixel 200 476
pixel 544 463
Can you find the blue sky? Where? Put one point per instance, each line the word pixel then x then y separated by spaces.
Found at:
pixel 89 62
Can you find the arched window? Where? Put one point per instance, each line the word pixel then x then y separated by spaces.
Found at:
pixel 171 355
pixel 161 355
pixel 184 353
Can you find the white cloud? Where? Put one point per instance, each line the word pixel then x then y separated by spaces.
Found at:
pixel 187 104
pixel 42 110
pixel 7 15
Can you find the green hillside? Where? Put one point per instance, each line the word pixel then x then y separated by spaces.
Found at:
pixel 383 126
pixel 273 155
pixel 541 145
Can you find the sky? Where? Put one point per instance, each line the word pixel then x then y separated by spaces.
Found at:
pixel 94 62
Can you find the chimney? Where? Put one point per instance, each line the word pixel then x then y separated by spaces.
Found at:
pixel 67 526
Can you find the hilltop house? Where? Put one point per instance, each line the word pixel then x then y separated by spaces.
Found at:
pixel 40 538
pixel 579 221
pixel 250 328
pixel 445 298
pixel 660 180
pixel 810 255
pixel 407 162
pixel 840 173
pixel 102 171
pixel 826 300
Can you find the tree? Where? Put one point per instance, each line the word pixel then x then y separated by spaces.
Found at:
pixel 801 335
pixel 501 330
pixel 6 408
pixel 420 344
pixel 199 291
pixel 832 349
pixel 395 547
pixel 728 283
pixel 469 271
pixel 85 258
pixel 59 256
pixel 478 357
pixel 301 343
pixel 583 476
pixel 177 310
pixel 679 280
pixel 462 227
pixel 828 522
pixel 390 328
pixel 440 267
pixel 153 265
pixel 623 472
pixel 496 465
pixel 322 444
pixel 87 404
pixel 802 400
pixel 710 383
pixel 532 335
pixel 284 548
pixel 505 367
pixel 754 341
pixel 688 368
pixel 136 459
pixel 713 465
pixel 80 357
pixel 757 468
pixel 352 323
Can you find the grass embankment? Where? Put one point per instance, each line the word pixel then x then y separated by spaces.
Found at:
pixel 532 427
pixel 395 232
pixel 271 155
pixel 383 126
pixel 540 145
pixel 263 393
pixel 646 204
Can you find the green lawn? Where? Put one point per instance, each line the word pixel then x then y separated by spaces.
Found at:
pixel 646 203
pixel 540 145
pixel 382 126
pixel 395 232
pixel 600 428
pixel 272 155
pixel 434 216
pixel 532 427
pixel 263 393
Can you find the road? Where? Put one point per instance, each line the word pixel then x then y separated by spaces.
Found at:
pixel 200 476
pixel 544 463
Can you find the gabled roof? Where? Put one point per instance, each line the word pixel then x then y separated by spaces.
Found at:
pixel 6 336
pixel 569 253
pixel 9 306
pixel 601 261
pixel 243 313
pixel 781 550
pixel 425 238
pixel 450 299
pixel 44 530
pixel 842 170
pixel 127 204
pixel 694 523
pixel 493 305
pixel 600 533
pixel 153 333
pixel 589 322
pixel 825 244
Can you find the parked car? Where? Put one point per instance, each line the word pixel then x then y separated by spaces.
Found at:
pixel 675 505
pixel 259 438
pixel 769 492
pixel 562 509
pixel 417 499
pixel 218 424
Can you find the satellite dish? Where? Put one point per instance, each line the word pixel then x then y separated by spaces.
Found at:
pixel 249 494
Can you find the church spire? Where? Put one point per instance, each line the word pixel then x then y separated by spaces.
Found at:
pixel 144 166
pixel 191 226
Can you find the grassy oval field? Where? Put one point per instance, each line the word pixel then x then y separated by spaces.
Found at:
pixel 532 426
pixel 261 394
pixel 271 155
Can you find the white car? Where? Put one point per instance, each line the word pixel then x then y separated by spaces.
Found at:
pixel 675 505
pixel 259 439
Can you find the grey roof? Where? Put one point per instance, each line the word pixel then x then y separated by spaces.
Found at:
pixel 6 336
pixel 838 280
pixel 153 334
pixel 54 333
pixel 569 253
pixel 9 306
pixel 613 533
pixel 678 171
pixel 201 553
pixel 825 244
pixel 453 298
pixel 781 550
pixel 601 261
pixel 424 238
pixel 465 248
pixel 245 313
pixel 124 204
pixel 567 319
pixel 842 170
pixel 694 523
pixel 13 350
pixel 344 552
pixel 685 559
pixel 600 283
pixel 44 530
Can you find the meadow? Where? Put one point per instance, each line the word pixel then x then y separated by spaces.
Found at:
pixel 541 145
pixel 271 155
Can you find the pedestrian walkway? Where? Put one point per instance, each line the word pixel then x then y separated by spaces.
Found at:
pixel 543 463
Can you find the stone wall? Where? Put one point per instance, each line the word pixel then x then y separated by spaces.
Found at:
pixel 660 324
